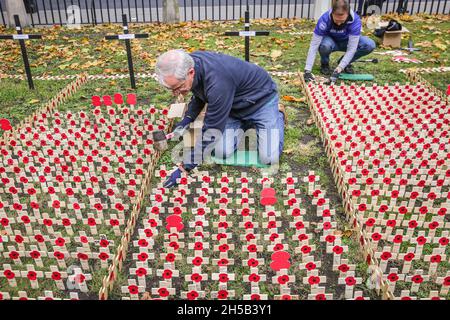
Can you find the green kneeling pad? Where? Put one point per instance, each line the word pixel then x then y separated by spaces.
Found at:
pixel 241 159
pixel 356 77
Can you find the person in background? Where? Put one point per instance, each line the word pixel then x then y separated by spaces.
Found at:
pixel 338 29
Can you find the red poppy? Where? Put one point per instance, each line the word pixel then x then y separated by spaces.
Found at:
pixel 436 258
pixel 223 277
pixel 312 280
pixel 343 267
pixel 222 262
pixel 350 281
pixel 196 277
pixel 310 266
pixel 197 261
pixel 446 281
pixel 421 240
pixel 103 256
pixel 376 236
pixel 393 277
pixel 142 256
pixel 283 279
pixel 386 255
pixel 302 237
pixel 222 294
pixel 417 279
pixel 443 241
pixel 398 238
pixel 35 254
pixel 58 255
pixel 278 247
pixel 31 275
pixel 163 292
pixel 140 272
pixel 56 275
pixel 82 256
pixel 9 274
pixel 192 295
pixel 338 249
pixel 255 297
pixel 254 277
pixel 252 262
pixel 305 249
pixel 286 297
pixel 167 274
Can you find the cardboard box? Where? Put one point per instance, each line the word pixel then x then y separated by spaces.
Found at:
pixel 393 39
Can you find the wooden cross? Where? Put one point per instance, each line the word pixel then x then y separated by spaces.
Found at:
pixel 141 271
pixel 127 37
pixel 130 289
pixel 440 280
pixel 22 37
pixel 78 280
pixel 415 285
pixel 27 273
pixel 349 286
pixel 10 275
pixel 59 282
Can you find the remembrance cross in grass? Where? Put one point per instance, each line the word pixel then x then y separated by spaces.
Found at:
pixel 127 36
pixel 247 33
pixel 22 37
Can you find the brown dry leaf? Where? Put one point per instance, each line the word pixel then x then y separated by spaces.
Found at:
pixel 310 121
pixel 293 99
pixel 276 54
pixel 288 151
pixel 439 44
pixel 347 233
pixel 424 44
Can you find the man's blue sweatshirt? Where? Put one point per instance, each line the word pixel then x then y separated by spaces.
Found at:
pixel 230 87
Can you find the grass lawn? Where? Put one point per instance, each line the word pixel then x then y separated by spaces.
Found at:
pixel 68 52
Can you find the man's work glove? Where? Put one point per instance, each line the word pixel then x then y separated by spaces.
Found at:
pixel 181 127
pixel 172 180
pixel 335 76
pixel 308 76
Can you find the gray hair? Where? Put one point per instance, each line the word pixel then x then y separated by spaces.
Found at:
pixel 173 63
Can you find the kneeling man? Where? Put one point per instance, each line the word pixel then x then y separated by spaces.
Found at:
pixel 239 95
pixel 338 29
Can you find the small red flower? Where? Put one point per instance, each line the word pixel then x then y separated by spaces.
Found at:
pixel 192 295
pixel 386 255
pixel 393 277
pixel 350 281
pixel 310 266
pixel 222 294
pixel 252 262
pixel 197 261
pixel 254 277
pixel 305 249
pixel 338 249
pixel 163 292
pixel 196 277
pixel 343 267
pixel 417 279
pixel 312 280
pixel 167 274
